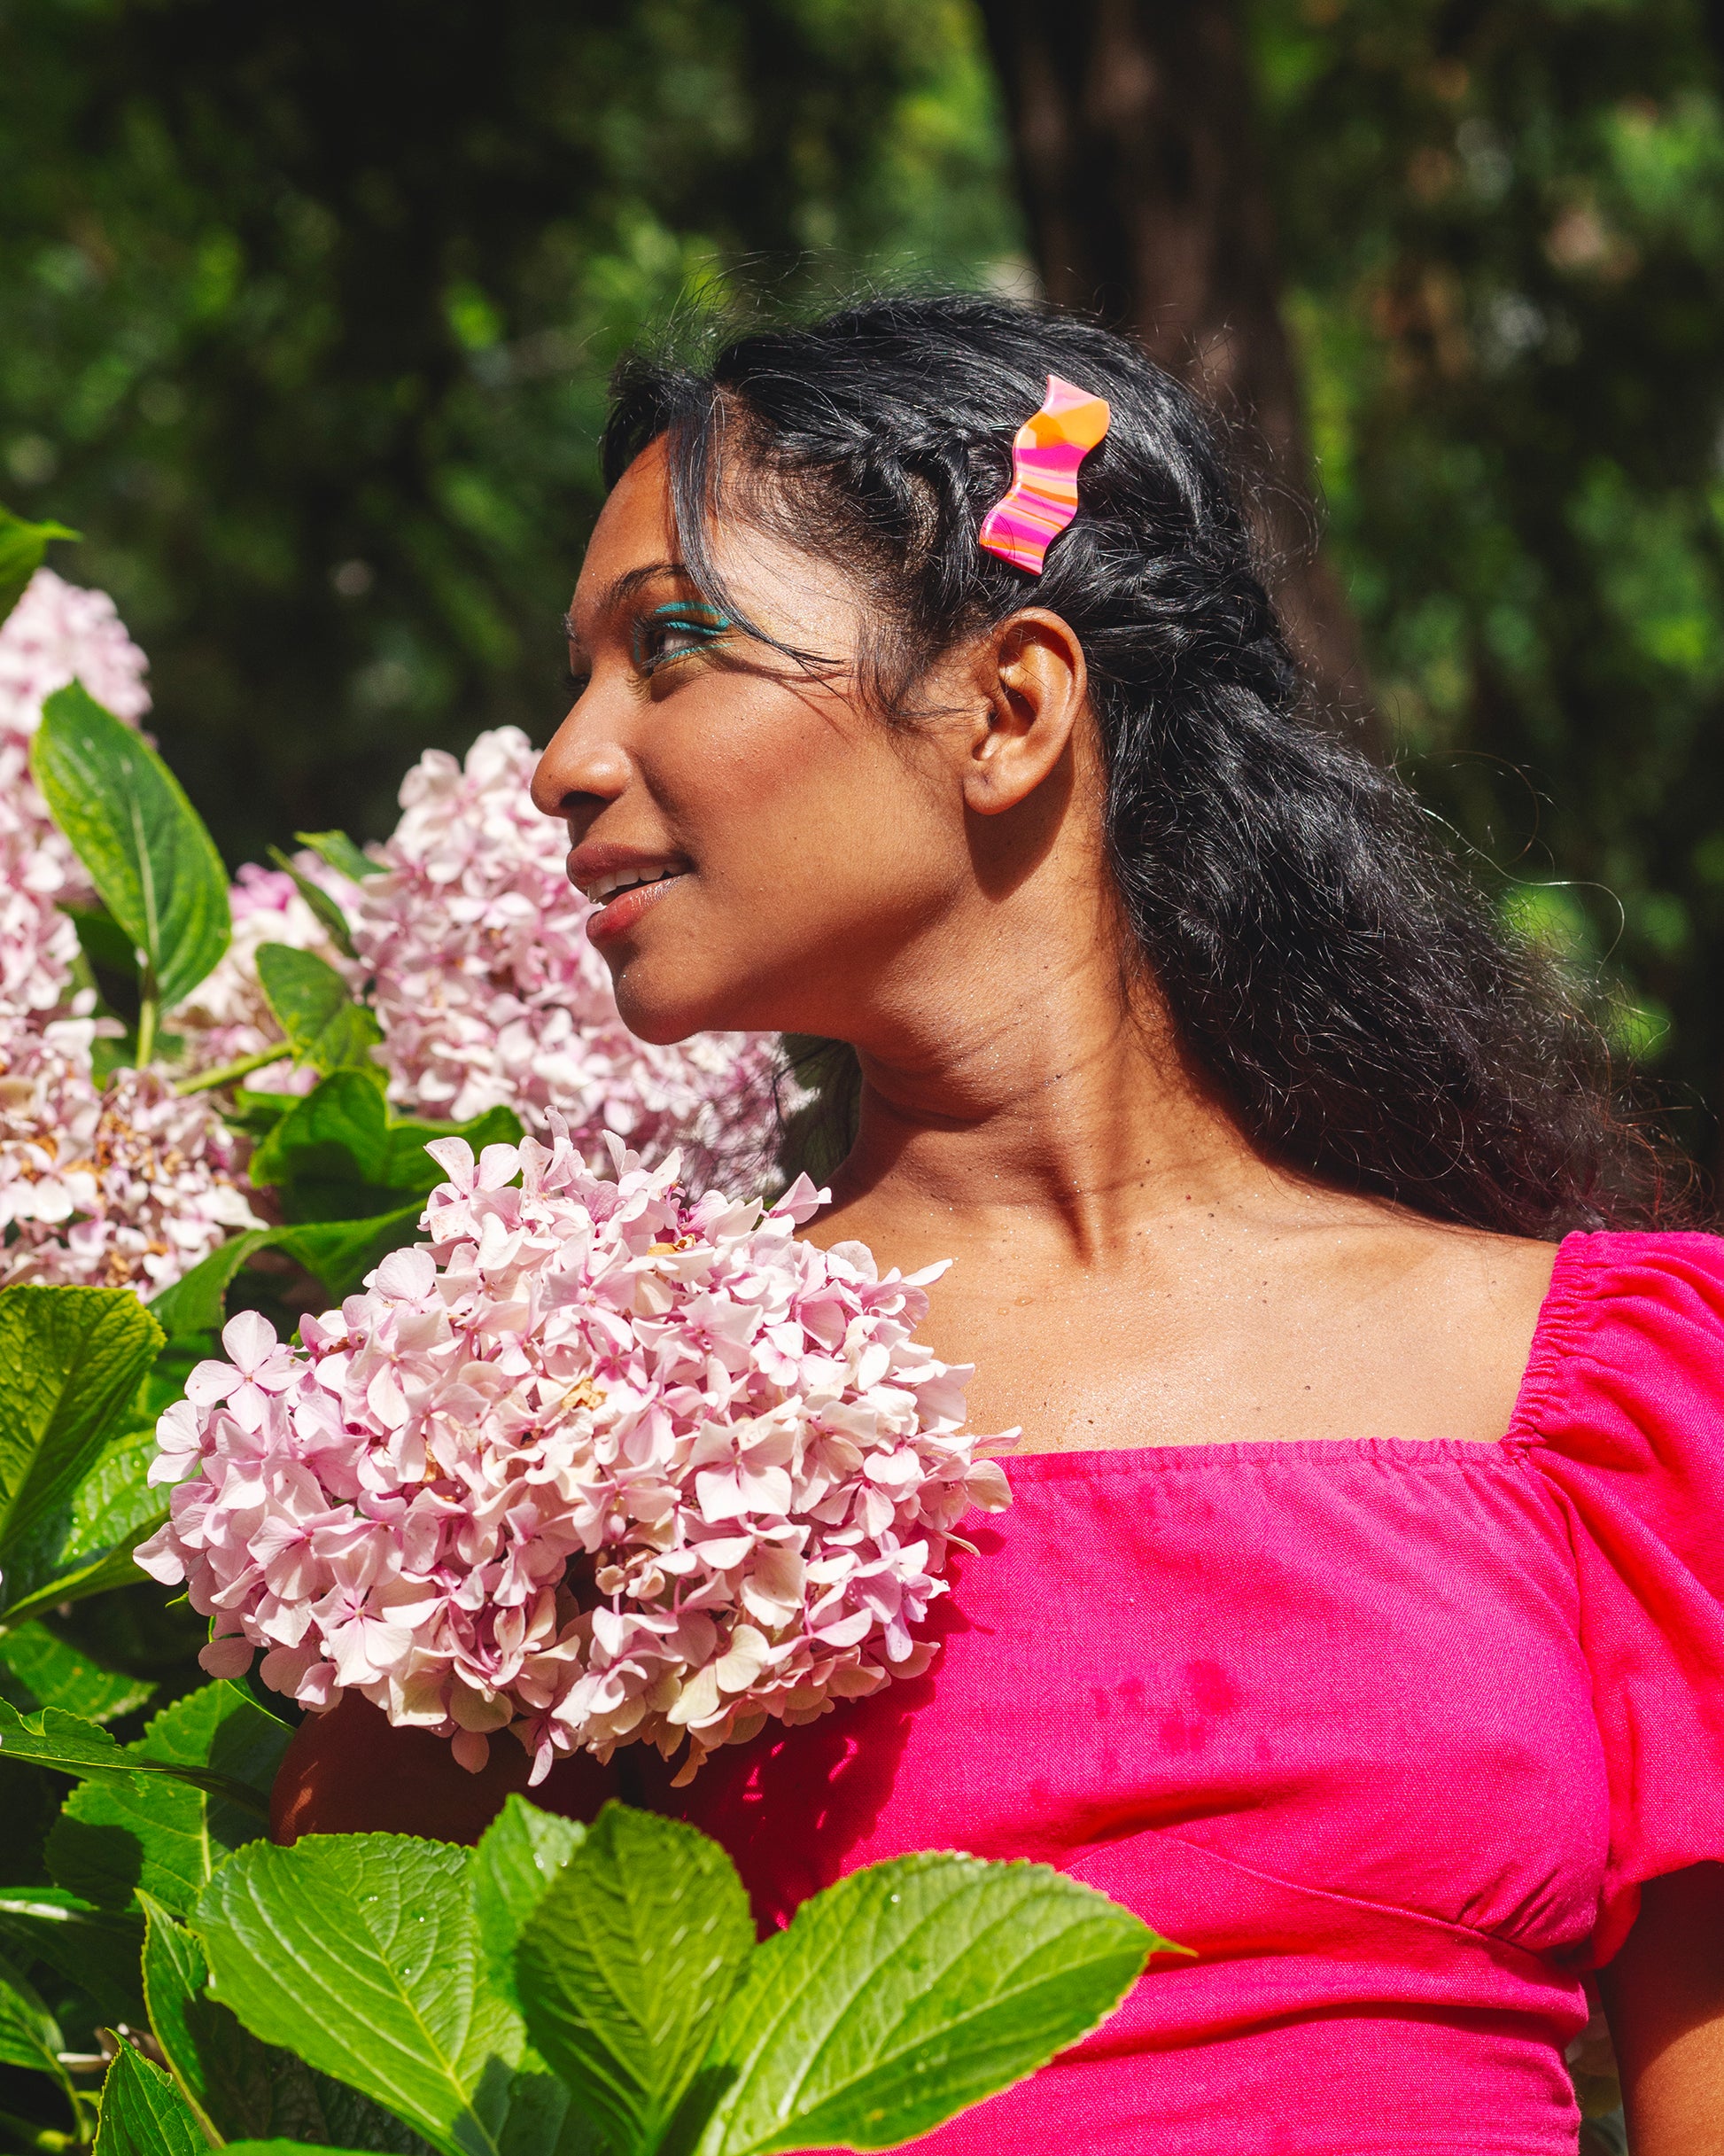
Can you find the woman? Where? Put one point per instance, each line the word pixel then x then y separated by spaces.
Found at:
pixel 1357 1616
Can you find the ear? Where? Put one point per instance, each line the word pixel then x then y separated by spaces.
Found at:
pixel 1034 684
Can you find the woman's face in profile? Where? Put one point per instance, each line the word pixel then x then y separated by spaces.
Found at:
pixel 764 851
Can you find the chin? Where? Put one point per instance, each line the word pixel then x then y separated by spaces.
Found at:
pixel 662 1014
pixel 662 1002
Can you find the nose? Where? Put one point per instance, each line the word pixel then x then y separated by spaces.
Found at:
pixel 585 769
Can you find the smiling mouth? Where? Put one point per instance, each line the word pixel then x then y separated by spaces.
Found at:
pixel 603 889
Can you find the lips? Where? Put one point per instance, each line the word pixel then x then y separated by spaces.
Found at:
pixel 609 885
pixel 623 895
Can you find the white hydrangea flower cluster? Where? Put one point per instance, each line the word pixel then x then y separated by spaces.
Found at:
pixel 603 1465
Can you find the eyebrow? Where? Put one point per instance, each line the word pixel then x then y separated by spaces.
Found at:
pixel 620 588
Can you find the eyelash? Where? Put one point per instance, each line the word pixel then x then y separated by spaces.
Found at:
pixel 705 624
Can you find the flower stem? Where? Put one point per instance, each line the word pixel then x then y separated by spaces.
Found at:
pixel 206 1081
pixel 146 1017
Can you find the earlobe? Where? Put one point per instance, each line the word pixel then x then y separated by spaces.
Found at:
pixel 1036 684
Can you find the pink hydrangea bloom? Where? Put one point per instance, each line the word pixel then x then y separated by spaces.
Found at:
pixel 56 633
pixel 116 1186
pixel 605 1463
pixel 121 1185
pixel 489 994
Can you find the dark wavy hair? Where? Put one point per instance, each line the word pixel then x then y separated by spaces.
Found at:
pixel 1327 966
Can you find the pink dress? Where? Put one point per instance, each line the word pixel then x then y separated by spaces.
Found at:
pixel 1388 1732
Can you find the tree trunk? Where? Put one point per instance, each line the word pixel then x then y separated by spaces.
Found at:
pixel 1144 185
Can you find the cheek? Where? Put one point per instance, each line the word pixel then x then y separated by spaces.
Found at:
pixel 818 846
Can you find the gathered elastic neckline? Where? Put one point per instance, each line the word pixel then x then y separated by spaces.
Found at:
pixel 1262 1452
pixel 1554 1334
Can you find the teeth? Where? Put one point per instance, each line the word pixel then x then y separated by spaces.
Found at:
pixel 605 887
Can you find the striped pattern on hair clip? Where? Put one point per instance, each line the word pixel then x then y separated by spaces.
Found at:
pixel 1046 452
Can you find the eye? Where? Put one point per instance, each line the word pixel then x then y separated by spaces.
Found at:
pixel 676 631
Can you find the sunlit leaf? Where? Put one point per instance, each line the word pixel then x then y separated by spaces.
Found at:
pixel 86 1547
pixel 237 2084
pixel 70 1362
pixel 361 1952
pixel 287 2148
pixel 315 1010
pixel 148 1825
pixel 74 1745
pixel 54 1674
pixel 143 843
pixel 23 547
pixel 143 2113
pixel 907 1992
pixel 626 1964
pixel 518 1856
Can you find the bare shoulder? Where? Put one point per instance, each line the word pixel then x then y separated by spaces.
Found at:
pixel 1469 1276
pixel 1442 1319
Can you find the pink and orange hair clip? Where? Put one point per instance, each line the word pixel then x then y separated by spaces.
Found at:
pixel 1041 499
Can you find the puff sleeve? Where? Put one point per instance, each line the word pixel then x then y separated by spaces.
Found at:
pixel 1624 1417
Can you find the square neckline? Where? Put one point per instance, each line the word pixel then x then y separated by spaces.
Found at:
pixel 1552 1333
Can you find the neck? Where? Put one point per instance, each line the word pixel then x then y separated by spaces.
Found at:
pixel 1036 1095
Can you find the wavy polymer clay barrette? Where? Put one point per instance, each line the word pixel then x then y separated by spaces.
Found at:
pixel 1041 499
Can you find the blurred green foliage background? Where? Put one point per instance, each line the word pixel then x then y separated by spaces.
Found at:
pixel 305 317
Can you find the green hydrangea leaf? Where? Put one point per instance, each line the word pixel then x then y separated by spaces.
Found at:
pixel 73 1745
pixel 287 2148
pixel 626 1964
pixel 114 1506
pixel 197 1301
pixel 329 916
pixel 98 1950
pixel 340 1253
pixel 339 1154
pixel 44 1671
pixel 237 2084
pixel 23 548
pixel 145 845
pixel 361 1953
pixel 29 2035
pixel 315 1010
pixel 341 853
pixel 110 961
pixel 908 1992
pixel 72 1361
pixel 143 2113
pixel 519 1855
pixel 168 1810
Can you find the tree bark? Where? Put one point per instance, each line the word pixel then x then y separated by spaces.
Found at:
pixel 1148 204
